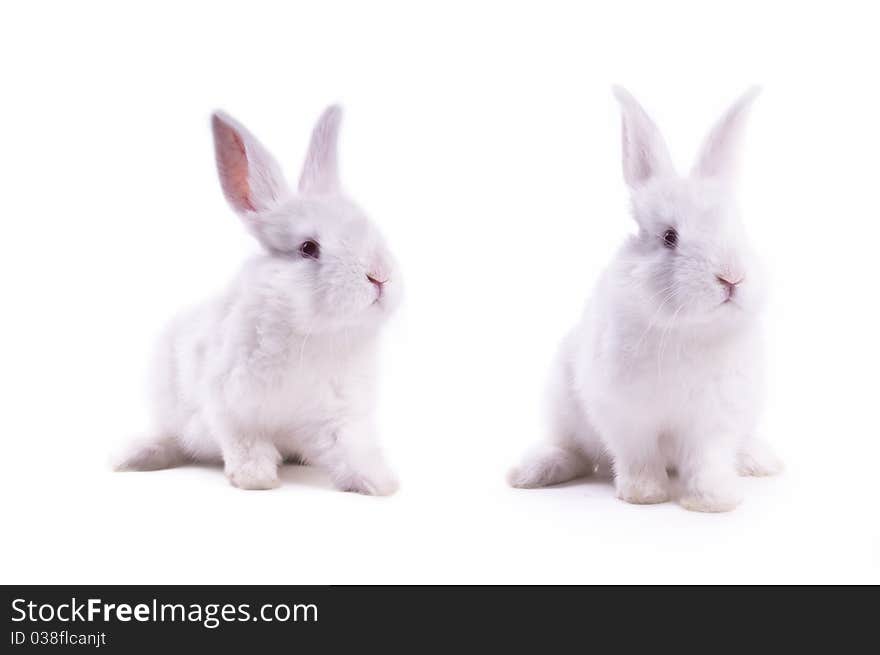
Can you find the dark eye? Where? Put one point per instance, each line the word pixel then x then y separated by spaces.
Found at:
pixel 670 238
pixel 310 249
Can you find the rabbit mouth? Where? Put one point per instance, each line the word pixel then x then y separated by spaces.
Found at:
pixel 381 296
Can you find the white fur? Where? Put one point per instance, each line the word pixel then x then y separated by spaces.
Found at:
pixel 281 366
pixel 661 374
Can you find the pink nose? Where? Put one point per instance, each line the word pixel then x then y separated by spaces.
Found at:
pixel 729 284
pixel 376 280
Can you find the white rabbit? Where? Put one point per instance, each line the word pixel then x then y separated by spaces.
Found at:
pixel 664 373
pixel 281 366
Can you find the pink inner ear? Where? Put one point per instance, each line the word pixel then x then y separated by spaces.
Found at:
pixel 232 165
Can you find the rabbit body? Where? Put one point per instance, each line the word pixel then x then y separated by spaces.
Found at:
pixel 664 371
pixel 282 366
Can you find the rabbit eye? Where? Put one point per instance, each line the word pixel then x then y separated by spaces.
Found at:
pixel 670 238
pixel 310 249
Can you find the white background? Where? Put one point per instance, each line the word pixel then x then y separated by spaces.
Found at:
pixel 484 139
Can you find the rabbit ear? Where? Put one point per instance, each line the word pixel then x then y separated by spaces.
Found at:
pixel 320 173
pixel 718 156
pixel 644 152
pixel 251 179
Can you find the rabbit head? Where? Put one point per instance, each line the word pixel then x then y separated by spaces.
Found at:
pixel 690 261
pixel 322 261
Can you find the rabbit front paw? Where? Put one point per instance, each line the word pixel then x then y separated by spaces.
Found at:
pixel 254 474
pixel 643 490
pixel 379 482
pixel 722 496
